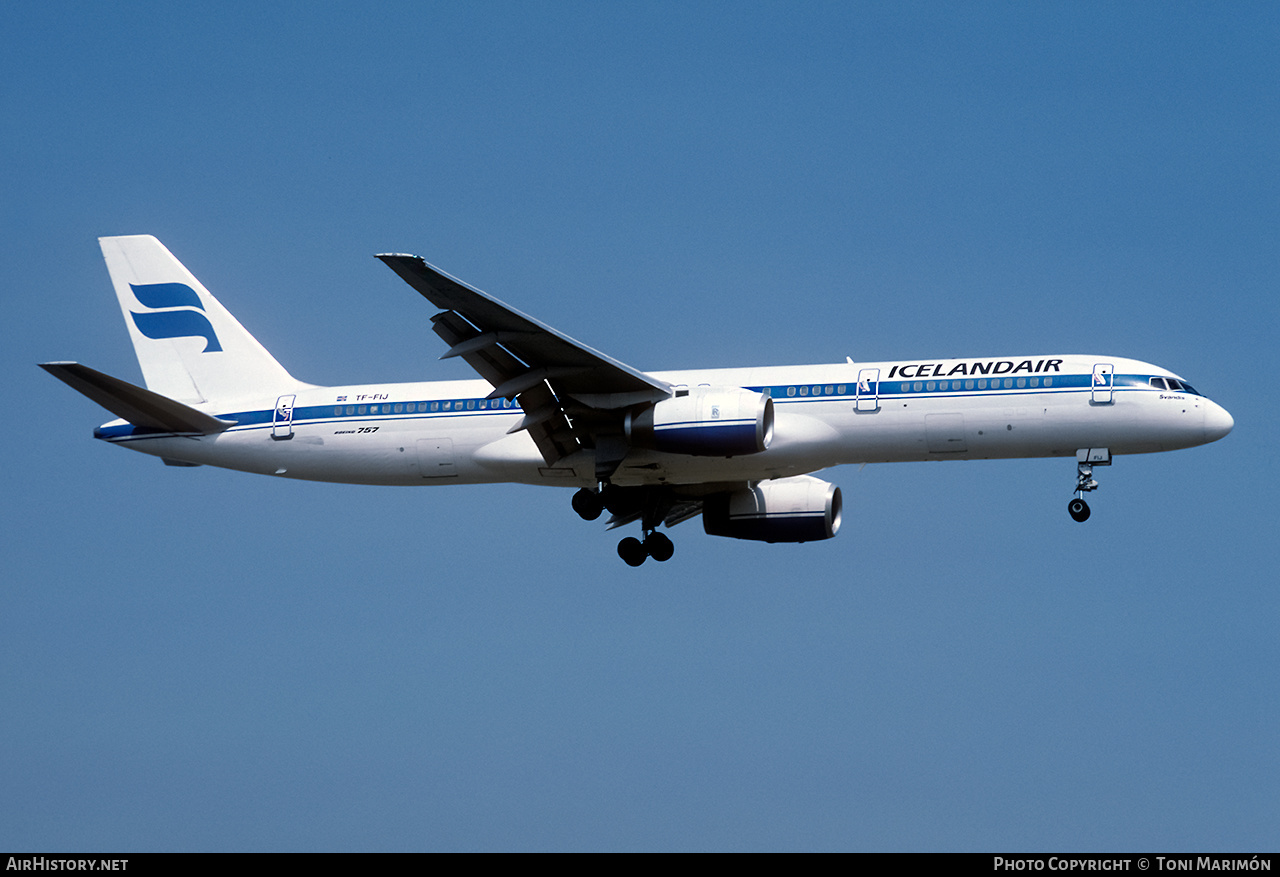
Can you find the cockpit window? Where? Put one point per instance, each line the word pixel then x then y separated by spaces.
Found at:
pixel 1173 384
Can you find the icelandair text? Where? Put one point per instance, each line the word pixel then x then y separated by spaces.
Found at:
pixel 980 367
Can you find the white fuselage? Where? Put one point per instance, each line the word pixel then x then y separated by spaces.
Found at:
pixel 825 415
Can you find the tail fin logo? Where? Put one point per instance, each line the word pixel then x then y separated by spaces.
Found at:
pixel 177 320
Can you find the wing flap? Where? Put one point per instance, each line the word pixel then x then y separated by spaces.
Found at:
pixel 544 418
pixel 491 362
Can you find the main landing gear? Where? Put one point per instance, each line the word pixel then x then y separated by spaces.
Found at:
pixel 629 504
pixel 588 504
pixel 655 545
pixel 1086 459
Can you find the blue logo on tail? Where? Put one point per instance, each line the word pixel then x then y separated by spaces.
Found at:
pixel 181 323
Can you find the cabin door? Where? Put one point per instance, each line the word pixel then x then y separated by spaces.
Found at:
pixel 1104 374
pixel 282 420
pixel 867 393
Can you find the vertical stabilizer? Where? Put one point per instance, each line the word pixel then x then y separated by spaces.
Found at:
pixel 189 346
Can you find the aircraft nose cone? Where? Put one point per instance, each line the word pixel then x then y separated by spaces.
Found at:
pixel 1217 422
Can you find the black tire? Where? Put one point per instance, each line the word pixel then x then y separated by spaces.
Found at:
pixel 632 551
pixel 587 504
pixel 659 546
pixel 1078 509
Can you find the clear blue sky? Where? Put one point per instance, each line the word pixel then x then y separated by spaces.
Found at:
pixel 204 660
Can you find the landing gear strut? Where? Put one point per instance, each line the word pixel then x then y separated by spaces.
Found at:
pixel 1086 459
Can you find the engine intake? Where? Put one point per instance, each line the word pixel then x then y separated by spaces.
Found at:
pixel 705 422
pixel 798 509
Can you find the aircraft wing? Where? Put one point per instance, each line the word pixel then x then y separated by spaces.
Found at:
pixel 565 388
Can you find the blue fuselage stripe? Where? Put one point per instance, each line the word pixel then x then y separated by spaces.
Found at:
pixel 438 409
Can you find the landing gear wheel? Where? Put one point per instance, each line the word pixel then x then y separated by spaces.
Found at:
pixel 1078 509
pixel 587 504
pixel 632 551
pixel 659 547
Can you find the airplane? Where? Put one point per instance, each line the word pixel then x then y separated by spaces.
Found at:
pixel 736 445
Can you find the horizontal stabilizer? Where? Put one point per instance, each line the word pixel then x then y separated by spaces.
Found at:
pixel 136 405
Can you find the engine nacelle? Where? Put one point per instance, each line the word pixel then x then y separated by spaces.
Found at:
pixel 798 509
pixel 705 422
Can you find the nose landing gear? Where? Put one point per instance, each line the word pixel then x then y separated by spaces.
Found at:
pixel 1086 459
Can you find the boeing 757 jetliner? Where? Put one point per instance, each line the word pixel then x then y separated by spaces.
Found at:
pixel 734 445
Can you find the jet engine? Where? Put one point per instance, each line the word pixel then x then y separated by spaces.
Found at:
pixel 798 509
pixel 705 422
